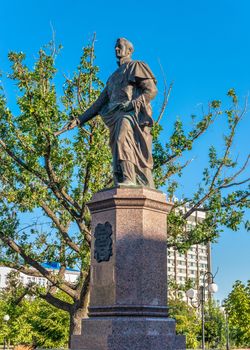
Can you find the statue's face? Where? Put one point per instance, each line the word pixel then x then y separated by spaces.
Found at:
pixel 121 49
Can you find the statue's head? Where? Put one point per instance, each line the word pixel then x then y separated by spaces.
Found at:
pixel 123 48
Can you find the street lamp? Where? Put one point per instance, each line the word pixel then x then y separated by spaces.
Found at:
pixel 200 302
pixel 6 319
pixel 227 327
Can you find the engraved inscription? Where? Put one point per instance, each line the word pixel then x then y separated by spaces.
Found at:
pixel 103 242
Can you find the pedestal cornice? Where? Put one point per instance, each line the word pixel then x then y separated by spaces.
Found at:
pixel 132 197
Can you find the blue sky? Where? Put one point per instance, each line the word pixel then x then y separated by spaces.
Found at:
pixel 204 47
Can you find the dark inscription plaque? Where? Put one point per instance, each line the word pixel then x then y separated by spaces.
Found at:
pixel 103 242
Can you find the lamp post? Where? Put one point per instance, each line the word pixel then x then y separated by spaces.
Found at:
pixel 227 331
pixel 227 327
pixel 200 302
pixel 6 319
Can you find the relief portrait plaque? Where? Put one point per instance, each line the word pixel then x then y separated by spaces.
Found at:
pixel 103 242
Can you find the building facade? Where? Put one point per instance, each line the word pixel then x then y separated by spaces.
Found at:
pixel 71 275
pixel 191 266
pixel 188 267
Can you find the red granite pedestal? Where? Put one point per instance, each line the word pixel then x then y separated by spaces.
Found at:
pixel 128 288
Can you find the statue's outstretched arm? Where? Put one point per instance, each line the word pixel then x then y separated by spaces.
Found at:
pixel 90 113
pixel 95 108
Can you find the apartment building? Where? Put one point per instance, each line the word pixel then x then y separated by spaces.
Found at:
pixel 191 265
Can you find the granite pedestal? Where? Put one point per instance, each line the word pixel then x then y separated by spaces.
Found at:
pixel 128 288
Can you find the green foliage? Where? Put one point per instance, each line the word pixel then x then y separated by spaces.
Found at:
pixel 214 326
pixel 182 235
pixel 41 171
pixel 187 321
pixel 219 194
pixel 237 306
pixel 32 321
pixel 188 317
pixel 52 178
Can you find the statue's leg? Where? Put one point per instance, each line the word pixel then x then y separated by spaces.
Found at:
pixel 117 174
pixel 123 153
pixel 148 175
pixel 144 177
pixel 116 179
pixel 128 172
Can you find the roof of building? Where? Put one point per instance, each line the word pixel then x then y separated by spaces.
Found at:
pixel 56 266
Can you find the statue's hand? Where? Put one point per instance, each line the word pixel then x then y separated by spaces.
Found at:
pixel 73 123
pixel 127 106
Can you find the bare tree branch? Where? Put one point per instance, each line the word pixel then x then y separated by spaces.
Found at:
pixel 178 168
pixel 235 183
pixel 53 180
pixel 166 95
pixel 20 268
pixel 22 164
pixel 52 300
pixel 53 41
pixel 196 135
pixel 212 188
pixel 50 184
pixel 61 228
pixel 226 205
pixel 91 63
pixel 83 228
pixel 233 177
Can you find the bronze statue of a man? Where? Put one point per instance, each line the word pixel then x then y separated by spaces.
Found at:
pixel 124 105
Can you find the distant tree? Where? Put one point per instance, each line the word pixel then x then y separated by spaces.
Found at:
pixel 214 326
pixel 187 321
pixel 178 290
pixel 56 177
pixel 188 317
pixel 237 306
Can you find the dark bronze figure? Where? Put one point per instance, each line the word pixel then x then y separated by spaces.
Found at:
pixel 124 105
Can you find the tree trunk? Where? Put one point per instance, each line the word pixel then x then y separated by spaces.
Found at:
pixel 78 312
pixel 75 322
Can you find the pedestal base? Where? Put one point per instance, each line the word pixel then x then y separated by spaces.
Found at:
pixel 128 287
pixel 128 333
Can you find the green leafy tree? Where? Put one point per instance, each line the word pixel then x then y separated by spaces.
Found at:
pixel 32 320
pixel 178 290
pixel 187 321
pixel 237 306
pixel 214 326
pixel 57 176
